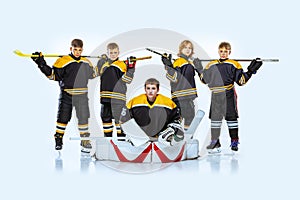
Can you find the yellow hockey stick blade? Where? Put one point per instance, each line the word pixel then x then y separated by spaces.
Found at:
pixel 19 53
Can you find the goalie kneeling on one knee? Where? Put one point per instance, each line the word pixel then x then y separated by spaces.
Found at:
pixel 172 135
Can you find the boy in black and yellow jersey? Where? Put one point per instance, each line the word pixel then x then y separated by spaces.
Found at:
pixel 156 114
pixel 181 76
pixel 220 76
pixel 72 73
pixel 114 75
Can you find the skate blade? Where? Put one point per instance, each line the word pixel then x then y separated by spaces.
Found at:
pixel 85 154
pixel 214 151
pixel 86 150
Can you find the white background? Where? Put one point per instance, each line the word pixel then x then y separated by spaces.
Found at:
pixel 268 104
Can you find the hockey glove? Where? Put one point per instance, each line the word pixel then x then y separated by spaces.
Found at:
pixel 198 65
pixel 254 66
pixel 165 137
pixel 100 63
pixel 39 60
pixel 167 60
pixel 178 132
pixel 130 62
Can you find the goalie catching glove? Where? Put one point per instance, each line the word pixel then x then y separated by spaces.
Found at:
pixel 171 135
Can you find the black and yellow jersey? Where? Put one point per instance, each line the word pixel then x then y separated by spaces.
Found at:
pixel 220 75
pixel 113 79
pixel 72 73
pixel 183 85
pixel 152 117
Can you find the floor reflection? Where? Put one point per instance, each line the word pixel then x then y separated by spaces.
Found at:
pixel 59 162
pixel 223 162
pixel 85 162
pixel 215 163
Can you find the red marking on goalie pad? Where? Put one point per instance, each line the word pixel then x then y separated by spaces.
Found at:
pixel 138 159
pixel 162 156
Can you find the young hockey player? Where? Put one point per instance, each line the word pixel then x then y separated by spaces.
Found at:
pixel 220 76
pixel 72 73
pixel 181 76
pixel 114 75
pixel 156 114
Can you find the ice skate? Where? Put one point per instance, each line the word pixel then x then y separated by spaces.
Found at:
pixel 108 134
pixel 86 146
pixel 234 145
pixel 58 141
pixel 121 136
pixel 214 147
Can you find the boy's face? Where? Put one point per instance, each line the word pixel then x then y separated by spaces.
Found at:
pixel 76 51
pixel 113 54
pixel 151 92
pixel 187 50
pixel 224 53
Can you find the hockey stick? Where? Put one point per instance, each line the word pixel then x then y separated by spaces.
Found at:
pixel 164 55
pixel 208 60
pixel 244 60
pixel 94 138
pixel 141 58
pixel 21 54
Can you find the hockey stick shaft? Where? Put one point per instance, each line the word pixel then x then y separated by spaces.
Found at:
pixel 151 50
pixel 94 138
pixel 142 58
pixel 19 53
pixel 208 60
pixel 248 60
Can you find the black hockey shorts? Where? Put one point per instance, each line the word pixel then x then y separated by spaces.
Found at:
pixel 223 104
pixel 111 111
pixel 66 104
pixel 187 110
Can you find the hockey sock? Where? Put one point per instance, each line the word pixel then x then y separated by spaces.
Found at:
pixel 215 129
pixel 120 133
pixel 186 127
pixel 108 129
pixel 60 128
pixel 83 129
pixel 233 127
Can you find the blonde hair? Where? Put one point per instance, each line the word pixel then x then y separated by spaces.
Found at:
pixel 183 44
